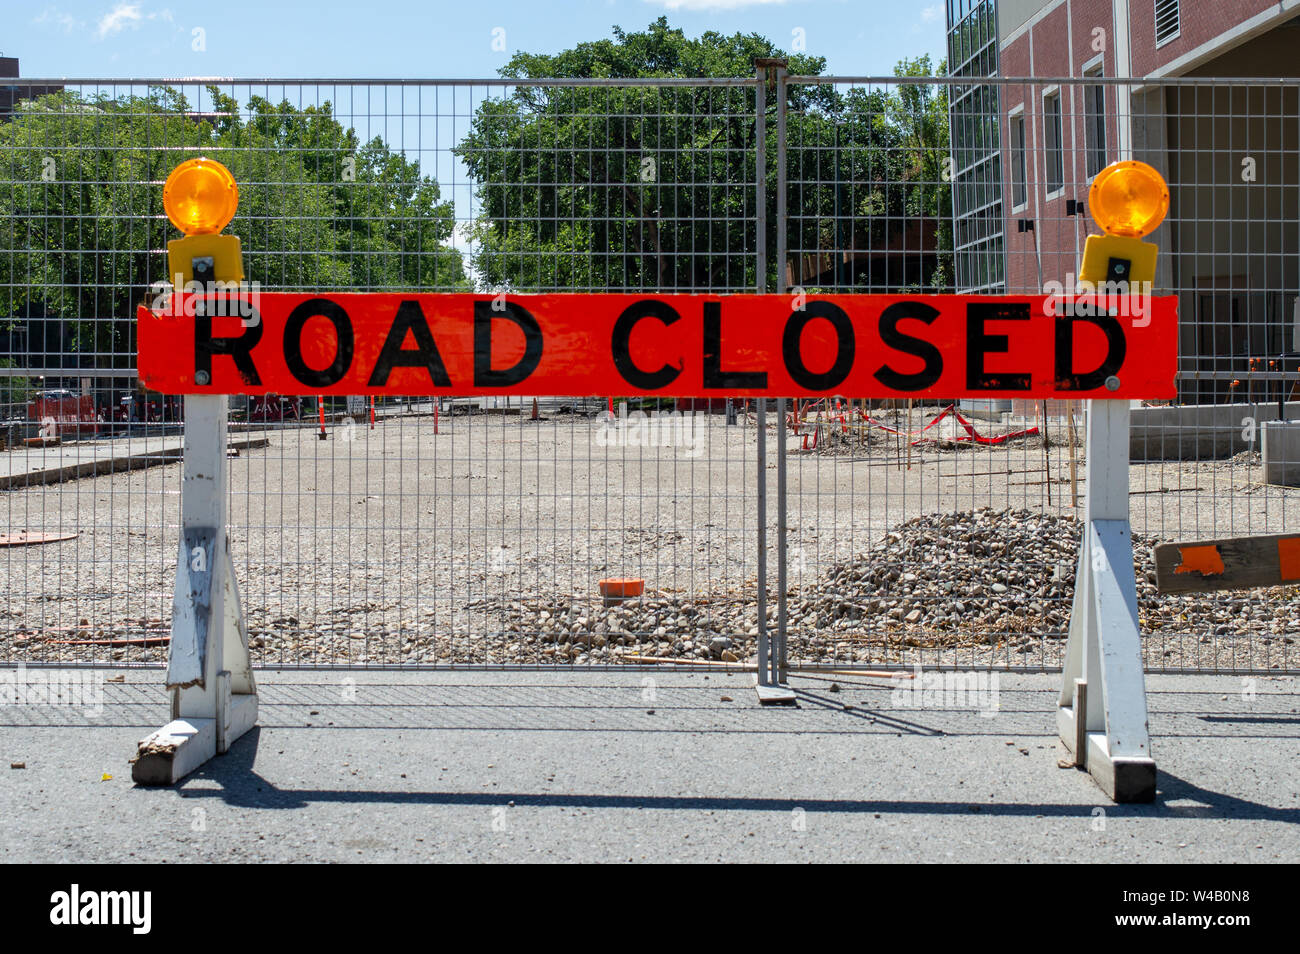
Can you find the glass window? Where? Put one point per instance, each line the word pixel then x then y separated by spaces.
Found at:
pixel 1052 142
pixel 1019 190
pixel 1094 124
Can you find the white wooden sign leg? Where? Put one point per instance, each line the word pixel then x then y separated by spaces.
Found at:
pixel 1102 716
pixel 209 673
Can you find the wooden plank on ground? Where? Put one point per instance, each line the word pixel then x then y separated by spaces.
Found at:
pixel 24 538
pixel 1234 563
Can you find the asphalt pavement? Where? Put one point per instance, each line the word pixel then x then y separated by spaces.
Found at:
pixel 366 766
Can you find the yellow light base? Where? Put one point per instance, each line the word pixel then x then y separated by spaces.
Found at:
pixel 1100 249
pixel 224 250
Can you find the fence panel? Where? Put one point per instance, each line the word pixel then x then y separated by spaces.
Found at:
pixel 461 532
pixel 945 533
pixel 420 532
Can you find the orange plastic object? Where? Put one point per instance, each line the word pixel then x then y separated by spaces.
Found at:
pixel 1128 198
pixel 1288 558
pixel 621 588
pixel 200 196
pixel 1204 560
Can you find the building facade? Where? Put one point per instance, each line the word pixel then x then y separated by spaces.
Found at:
pixel 11 93
pixel 974 111
pixel 1229 247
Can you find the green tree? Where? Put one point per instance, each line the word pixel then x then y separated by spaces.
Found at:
pixel 623 187
pixel 921 112
pixel 372 220
pixel 637 188
pixel 866 174
pixel 81 205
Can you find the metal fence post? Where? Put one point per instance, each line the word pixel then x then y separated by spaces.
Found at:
pixel 782 255
pixel 771 658
pixel 760 252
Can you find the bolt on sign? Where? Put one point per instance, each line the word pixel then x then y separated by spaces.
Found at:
pixel 931 346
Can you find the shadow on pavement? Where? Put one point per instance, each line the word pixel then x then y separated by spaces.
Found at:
pixel 242 787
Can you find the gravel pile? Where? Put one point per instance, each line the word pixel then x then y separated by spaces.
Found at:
pixel 969 588
pixel 989 576
pixel 956 577
pixel 994 583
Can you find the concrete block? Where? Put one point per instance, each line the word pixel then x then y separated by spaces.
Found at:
pixel 984 409
pixel 1200 431
pixel 1281 453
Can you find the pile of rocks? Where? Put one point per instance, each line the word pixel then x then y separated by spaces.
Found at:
pixel 967 574
pixel 983 578
pixel 967 588
pixel 1010 571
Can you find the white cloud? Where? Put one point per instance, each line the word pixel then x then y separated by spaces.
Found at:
pixel 53 16
pixel 931 13
pixel 123 15
pixel 698 5
pixel 129 15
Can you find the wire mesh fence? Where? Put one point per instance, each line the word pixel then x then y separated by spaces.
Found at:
pixel 961 519
pixel 458 531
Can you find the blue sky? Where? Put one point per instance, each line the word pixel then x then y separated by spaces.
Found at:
pixel 408 38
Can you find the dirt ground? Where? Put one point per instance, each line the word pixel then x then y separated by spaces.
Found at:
pixel 398 545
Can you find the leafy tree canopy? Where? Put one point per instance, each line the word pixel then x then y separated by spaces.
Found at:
pixel 659 51
pixel 82 221
pixel 645 188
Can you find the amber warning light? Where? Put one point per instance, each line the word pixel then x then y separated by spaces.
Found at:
pixel 200 196
pixel 1129 199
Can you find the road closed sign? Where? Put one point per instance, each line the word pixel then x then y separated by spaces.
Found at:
pixel 922 346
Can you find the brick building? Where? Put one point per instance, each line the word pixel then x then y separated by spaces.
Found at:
pixel 1231 154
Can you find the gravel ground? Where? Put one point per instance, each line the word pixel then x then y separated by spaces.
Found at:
pixel 937 582
pixel 396 545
